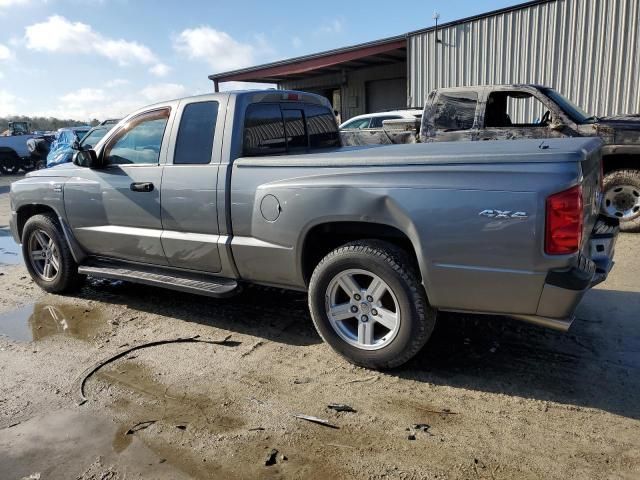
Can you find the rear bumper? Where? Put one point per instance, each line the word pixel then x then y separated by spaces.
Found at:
pixel 563 289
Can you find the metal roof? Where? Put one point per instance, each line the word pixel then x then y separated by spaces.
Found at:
pixel 479 16
pixel 379 52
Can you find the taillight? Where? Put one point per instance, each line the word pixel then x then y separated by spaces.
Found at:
pixel 563 232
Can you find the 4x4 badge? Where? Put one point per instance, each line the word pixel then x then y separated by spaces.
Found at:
pixel 503 214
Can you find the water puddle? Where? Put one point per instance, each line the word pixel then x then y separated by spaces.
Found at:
pixel 10 253
pixel 40 320
pixel 76 444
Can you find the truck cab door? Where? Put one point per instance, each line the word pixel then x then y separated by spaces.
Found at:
pixel 190 234
pixel 451 117
pixel 516 113
pixel 114 211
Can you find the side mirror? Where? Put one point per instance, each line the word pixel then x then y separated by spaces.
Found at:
pixel 86 158
pixel 557 126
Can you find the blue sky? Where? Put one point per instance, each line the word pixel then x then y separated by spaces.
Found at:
pixel 103 58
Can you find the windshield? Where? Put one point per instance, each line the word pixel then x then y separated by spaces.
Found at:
pixel 575 112
pixel 93 137
pixel 20 128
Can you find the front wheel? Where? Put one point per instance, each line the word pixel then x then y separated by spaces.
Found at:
pixel 367 303
pixel 47 255
pixel 622 198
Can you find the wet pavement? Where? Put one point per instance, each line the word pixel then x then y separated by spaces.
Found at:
pixel 54 444
pixel 38 321
pixel 10 252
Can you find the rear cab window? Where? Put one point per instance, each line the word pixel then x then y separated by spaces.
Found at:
pixel 276 129
pixel 454 111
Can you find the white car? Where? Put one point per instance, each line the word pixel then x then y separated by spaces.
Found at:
pixel 374 120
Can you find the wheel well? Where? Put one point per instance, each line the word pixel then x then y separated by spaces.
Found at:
pixel 8 153
pixel 324 238
pixel 28 211
pixel 611 163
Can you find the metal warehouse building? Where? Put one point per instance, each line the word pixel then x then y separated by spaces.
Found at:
pixel 588 50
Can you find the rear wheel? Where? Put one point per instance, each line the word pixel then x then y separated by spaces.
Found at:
pixel 9 164
pixel 47 255
pixel 367 303
pixel 622 198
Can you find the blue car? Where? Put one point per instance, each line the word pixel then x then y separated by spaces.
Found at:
pixel 61 149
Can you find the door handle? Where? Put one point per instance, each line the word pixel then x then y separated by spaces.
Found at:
pixel 142 187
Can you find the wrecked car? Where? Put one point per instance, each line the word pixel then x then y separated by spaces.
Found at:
pixel 498 112
pixel 61 150
pixel 207 193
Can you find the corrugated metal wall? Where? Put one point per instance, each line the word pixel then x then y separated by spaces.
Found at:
pixel 589 50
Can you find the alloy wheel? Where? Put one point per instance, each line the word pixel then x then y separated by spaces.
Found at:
pixel 44 255
pixel 362 309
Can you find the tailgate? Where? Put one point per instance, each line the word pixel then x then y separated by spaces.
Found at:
pixel 592 195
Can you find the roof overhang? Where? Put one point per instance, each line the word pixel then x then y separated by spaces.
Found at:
pixel 381 52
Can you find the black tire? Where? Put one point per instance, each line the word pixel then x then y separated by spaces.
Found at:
pixel 619 178
pixel 9 164
pixel 393 266
pixel 67 278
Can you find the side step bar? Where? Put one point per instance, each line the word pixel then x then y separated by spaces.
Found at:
pixel 183 282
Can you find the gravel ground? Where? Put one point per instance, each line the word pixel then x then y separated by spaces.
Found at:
pixel 487 398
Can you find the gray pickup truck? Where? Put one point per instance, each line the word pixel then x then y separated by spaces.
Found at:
pixel 508 112
pixel 206 193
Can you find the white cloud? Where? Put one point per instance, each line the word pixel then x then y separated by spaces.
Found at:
pixel 160 70
pixel 217 48
pixel 8 103
pixel 5 53
pixel 84 96
pixel 13 3
pixel 116 82
pixel 112 101
pixel 163 91
pixel 57 34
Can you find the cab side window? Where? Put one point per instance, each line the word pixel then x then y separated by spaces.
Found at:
pixel 455 111
pixel 515 109
pixel 139 141
pixel 196 133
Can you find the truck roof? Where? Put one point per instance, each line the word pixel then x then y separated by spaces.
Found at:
pixel 264 95
pixel 495 85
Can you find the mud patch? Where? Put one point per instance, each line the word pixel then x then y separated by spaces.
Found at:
pixel 41 320
pixel 10 252
pixel 197 428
